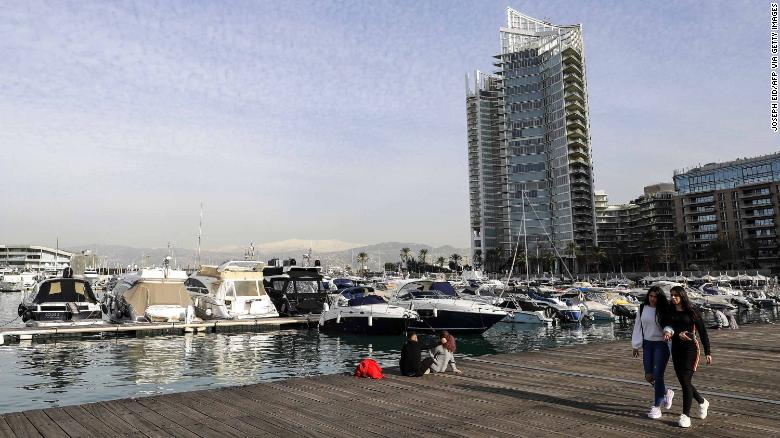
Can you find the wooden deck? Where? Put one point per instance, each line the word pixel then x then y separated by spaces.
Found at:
pixel 13 335
pixel 587 390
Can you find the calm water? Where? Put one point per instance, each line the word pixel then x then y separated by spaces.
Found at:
pixel 39 375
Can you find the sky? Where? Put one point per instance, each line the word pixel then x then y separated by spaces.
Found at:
pixel 337 120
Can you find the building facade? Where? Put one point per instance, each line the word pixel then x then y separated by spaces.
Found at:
pixel 728 213
pixel 535 110
pixel 639 235
pixel 33 258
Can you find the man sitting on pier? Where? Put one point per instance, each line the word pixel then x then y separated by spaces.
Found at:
pixel 411 353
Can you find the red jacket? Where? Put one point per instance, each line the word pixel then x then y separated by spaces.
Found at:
pixel 369 368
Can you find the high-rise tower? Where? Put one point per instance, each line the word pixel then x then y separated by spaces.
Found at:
pixel 529 144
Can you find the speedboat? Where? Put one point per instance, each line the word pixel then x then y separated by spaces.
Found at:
pixel 232 290
pixel 565 311
pixel 439 308
pixel 61 301
pixel 150 295
pixel 295 290
pixel 524 311
pixel 359 310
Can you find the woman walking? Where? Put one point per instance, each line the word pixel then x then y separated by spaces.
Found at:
pixel 649 336
pixel 685 321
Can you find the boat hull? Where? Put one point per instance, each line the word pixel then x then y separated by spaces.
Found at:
pixel 455 322
pixel 527 317
pixel 359 324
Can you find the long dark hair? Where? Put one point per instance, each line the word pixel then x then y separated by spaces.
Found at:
pixel 662 305
pixel 685 302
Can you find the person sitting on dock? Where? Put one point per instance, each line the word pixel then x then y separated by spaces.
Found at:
pixel 411 354
pixel 443 354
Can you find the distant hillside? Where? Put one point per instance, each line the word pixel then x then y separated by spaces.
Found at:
pixel 379 253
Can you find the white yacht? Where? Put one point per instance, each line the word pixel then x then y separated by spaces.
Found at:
pixel 359 310
pixel 439 308
pixel 232 290
pixel 61 301
pixel 150 295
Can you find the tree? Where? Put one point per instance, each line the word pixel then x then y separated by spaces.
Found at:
pixel 390 266
pixel 455 259
pixel 682 250
pixel 478 258
pixel 718 250
pixel 547 259
pixel 423 256
pixel 362 258
pixel 406 253
pixel 573 251
pixel 440 261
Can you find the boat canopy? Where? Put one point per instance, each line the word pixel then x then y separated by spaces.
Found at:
pixel 64 290
pixel 145 294
pixel 366 300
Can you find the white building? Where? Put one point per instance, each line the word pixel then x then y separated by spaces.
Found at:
pixel 33 258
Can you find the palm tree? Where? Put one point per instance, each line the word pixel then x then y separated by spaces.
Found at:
pixel 477 258
pixel 456 258
pixel 405 254
pixel 362 258
pixel 440 261
pixel 423 255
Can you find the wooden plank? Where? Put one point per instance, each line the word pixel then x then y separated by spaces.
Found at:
pixel 135 421
pixel 21 425
pixel 188 418
pixel 67 423
pixel 5 429
pixel 118 426
pixel 44 424
pixel 95 426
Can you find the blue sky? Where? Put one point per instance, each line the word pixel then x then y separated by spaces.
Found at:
pixel 333 120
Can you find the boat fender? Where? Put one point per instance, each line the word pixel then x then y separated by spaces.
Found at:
pixel 22 309
pixel 338 318
pixel 435 312
pixel 28 315
pixel 370 320
pixel 104 308
pixel 325 307
pixel 118 314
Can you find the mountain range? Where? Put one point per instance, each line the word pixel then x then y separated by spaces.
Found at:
pixel 329 252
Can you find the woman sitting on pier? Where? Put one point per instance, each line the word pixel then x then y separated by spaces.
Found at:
pixel 411 353
pixel 685 321
pixel 649 336
pixel 443 354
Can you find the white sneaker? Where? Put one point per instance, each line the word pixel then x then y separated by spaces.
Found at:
pixel 703 409
pixel 655 412
pixel 668 399
pixel 684 421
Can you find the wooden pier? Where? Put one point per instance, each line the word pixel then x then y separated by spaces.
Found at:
pixel 592 390
pixel 11 335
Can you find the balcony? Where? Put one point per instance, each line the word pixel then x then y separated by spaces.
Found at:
pixel 577 133
pixel 575 123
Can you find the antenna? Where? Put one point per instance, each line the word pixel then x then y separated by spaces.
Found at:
pixel 200 232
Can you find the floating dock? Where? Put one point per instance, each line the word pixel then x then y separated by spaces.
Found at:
pixel 585 390
pixel 12 335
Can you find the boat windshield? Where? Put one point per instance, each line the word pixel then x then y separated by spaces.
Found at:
pixel 64 290
pixel 366 300
pixel 248 288
pixel 307 287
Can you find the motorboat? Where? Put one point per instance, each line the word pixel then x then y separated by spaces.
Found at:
pixel 61 301
pixel 524 311
pixel 439 308
pixel 720 293
pixel 150 295
pixel 295 290
pixel 358 310
pixel 232 290
pixel 19 282
pixel 565 311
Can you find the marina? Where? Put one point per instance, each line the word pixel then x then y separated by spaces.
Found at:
pixel 593 389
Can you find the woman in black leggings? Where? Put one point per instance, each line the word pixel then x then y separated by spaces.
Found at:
pixel 686 321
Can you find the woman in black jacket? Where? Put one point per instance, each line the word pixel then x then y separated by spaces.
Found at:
pixel 411 353
pixel 685 322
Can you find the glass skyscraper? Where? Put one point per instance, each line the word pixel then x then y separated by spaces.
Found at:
pixel 529 143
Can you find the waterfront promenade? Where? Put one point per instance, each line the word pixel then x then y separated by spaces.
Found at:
pixel 586 390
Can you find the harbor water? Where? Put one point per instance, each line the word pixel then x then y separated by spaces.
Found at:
pixel 66 372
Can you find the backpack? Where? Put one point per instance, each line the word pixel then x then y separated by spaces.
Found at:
pixel 369 368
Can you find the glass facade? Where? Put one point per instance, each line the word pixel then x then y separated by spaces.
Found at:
pixel 729 175
pixel 543 138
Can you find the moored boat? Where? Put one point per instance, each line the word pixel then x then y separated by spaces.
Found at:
pixel 61 301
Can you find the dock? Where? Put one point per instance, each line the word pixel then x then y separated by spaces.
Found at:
pixel 15 335
pixel 594 390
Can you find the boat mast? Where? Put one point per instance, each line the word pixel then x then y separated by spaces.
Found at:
pixel 200 232
pixel 525 241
